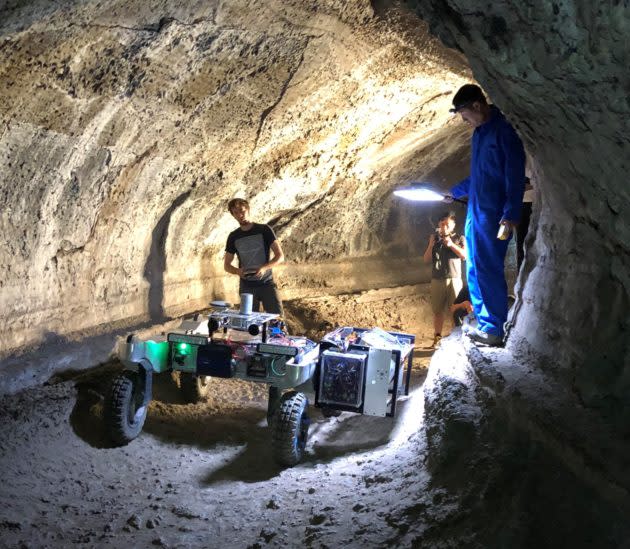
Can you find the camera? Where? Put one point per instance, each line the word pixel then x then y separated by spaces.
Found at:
pixel 250 274
pixel 440 236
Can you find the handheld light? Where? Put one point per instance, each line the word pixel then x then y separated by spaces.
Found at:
pixel 421 193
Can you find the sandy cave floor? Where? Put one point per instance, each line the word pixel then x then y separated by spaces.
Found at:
pixel 202 475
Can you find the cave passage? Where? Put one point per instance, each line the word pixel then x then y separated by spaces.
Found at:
pixel 125 127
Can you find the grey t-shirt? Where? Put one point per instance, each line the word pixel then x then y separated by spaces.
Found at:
pixel 252 249
pixel 445 262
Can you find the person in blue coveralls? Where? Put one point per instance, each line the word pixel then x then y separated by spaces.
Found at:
pixel 495 189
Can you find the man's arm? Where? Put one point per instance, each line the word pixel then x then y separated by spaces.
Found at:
pixel 276 258
pixel 428 253
pixel 464 305
pixel 228 267
pixel 461 189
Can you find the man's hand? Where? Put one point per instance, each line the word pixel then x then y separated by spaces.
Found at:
pixel 249 274
pixel 464 305
pixel 510 224
pixel 506 228
pixel 447 241
pixel 258 272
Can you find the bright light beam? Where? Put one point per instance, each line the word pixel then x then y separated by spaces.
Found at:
pixel 419 194
pixel 423 193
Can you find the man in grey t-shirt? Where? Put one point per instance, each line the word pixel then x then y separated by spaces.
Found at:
pixel 253 244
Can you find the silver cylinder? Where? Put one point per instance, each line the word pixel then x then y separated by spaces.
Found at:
pixel 247 301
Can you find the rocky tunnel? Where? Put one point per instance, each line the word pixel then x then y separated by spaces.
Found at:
pixel 127 125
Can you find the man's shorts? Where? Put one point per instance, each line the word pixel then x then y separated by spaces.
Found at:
pixel 443 293
pixel 267 294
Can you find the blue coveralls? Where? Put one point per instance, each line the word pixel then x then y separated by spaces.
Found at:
pixel 495 190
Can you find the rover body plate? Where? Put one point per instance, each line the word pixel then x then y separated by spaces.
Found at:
pixel 251 317
pixel 271 348
pixel 185 338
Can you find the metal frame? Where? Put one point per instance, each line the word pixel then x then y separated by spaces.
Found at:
pixel 399 362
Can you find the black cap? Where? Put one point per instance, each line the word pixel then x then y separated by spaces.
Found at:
pixel 466 96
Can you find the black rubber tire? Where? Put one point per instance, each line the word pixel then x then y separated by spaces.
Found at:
pixel 124 413
pixel 194 388
pixel 289 428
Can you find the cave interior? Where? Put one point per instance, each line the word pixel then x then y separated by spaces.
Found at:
pixel 126 128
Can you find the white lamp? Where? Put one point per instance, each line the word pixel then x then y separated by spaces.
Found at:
pixel 421 193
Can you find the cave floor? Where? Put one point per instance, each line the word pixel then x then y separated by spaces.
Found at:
pixel 202 475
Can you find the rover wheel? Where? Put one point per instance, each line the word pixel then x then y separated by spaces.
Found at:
pixel 194 388
pixel 289 428
pixel 124 411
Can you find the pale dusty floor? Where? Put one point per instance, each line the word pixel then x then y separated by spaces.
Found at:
pixel 203 476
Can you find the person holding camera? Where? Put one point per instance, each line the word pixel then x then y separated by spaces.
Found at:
pixel 445 252
pixel 258 251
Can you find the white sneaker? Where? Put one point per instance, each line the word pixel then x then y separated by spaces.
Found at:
pixel 484 338
pixel 467 323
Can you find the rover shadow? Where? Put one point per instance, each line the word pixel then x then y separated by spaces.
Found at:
pixel 241 430
pixel 229 420
pixel 350 433
pixel 329 438
pixel 93 385
pixel 86 418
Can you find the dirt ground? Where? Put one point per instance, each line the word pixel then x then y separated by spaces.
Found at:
pixel 202 475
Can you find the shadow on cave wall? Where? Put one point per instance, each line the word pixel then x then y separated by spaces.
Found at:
pixel 155 265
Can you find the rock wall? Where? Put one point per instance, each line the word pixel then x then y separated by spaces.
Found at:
pixel 559 72
pixel 535 435
pixel 522 461
pixel 127 125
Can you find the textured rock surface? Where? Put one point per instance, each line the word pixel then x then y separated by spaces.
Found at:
pixel 518 452
pixel 127 125
pixel 559 71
